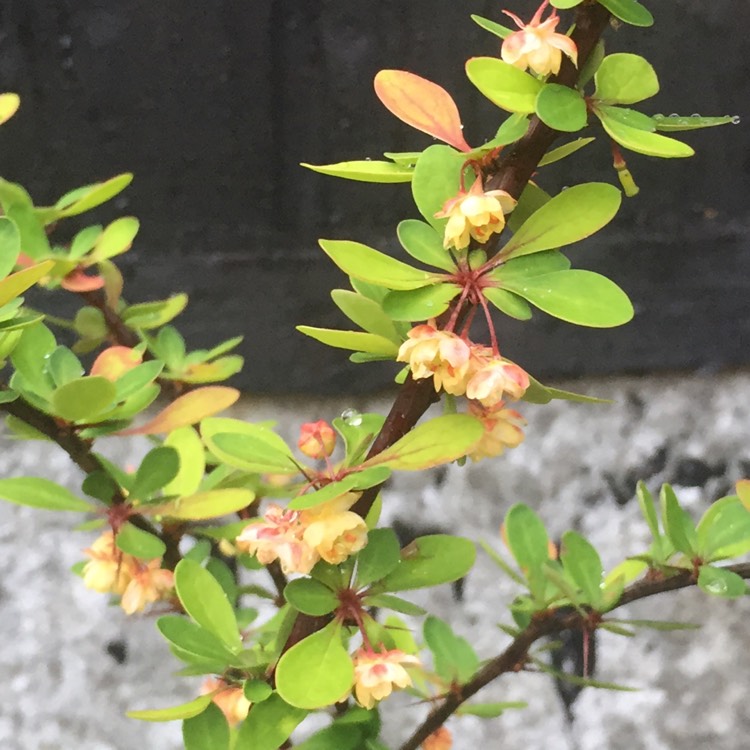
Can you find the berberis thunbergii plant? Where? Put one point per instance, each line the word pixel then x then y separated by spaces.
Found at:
pixel 223 519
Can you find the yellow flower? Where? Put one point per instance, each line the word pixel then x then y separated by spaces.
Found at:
pixel 537 46
pixel 110 570
pixel 376 674
pixel 502 429
pixel 229 698
pixel 279 536
pixel 149 584
pixel 476 214
pixel 493 378
pixel 333 531
pixel 316 439
pixel 438 354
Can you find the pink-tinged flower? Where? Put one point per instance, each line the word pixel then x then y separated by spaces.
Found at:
pixel 229 698
pixel 537 45
pixel 502 429
pixel 110 570
pixel 376 674
pixel 438 354
pixel 149 584
pixel 476 214
pixel 440 739
pixel 493 379
pixel 279 537
pixel 316 439
pixel 333 531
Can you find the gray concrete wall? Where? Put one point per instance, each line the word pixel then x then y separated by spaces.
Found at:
pixel 61 689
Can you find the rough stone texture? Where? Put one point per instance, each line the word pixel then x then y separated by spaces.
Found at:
pixel 63 687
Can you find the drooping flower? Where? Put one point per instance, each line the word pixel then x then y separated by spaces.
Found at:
pixel 109 571
pixel 474 213
pixel 279 536
pixel 492 378
pixel 376 674
pixel 316 439
pixel 502 429
pixel 438 354
pixel 229 698
pixel 537 45
pixel 150 583
pixel 333 531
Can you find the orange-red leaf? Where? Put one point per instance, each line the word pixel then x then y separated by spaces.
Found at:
pixel 79 281
pixel 188 409
pixel 422 104
pixel 116 361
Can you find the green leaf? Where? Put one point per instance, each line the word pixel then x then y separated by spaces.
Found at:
pixel 205 505
pixel 64 366
pixel 338 736
pixel 528 266
pixel 191 638
pixel 358 431
pixel 316 672
pixel 365 171
pixel 504 85
pixel 205 601
pixel 494 28
pixel 531 200
pixel 641 141
pixel 437 177
pixel 526 537
pixel 508 303
pixel 561 108
pixel 192 461
pixel 455 660
pixel 357 341
pixel 581 297
pixel 84 241
pixel 693 122
pixel 10 245
pixel 148 315
pixel 438 441
pixel 648 509
pixel 629 11
pixel 40 493
pixel 624 78
pixel 83 399
pixel 19 208
pixel 159 466
pixel 257 691
pixel 86 198
pixel 17 283
pixel 489 710
pixel 583 564
pixel 268 725
pixel 424 244
pixel 430 561
pixel 678 526
pixel 366 313
pixel 561 152
pixel 207 731
pixel 367 264
pixel 724 530
pixel 395 603
pixel 116 238
pixel 140 543
pixel 420 304
pixel 659 625
pixel 310 597
pixel 323 495
pixel 721 582
pixel 381 556
pixel 629 117
pixel 562 221
pixel 183 711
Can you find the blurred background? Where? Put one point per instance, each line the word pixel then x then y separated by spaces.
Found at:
pixel 214 105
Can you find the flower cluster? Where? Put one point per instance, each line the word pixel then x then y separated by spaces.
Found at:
pixel 138 582
pixel 474 213
pixel 298 539
pixel 461 368
pixel 537 45
pixel 377 673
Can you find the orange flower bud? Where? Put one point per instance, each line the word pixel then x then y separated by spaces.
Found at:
pixel 316 439
pixel 229 698
pixel 440 739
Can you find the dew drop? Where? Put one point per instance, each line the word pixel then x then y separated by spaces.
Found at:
pixel 736 120
pixel 674 114
pixel 352 417
pixel 658 117
pixel 695 115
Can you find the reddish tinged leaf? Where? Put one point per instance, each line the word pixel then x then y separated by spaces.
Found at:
pixel 422 104
pixel 187 410
pixel 79 281
pixel 116 361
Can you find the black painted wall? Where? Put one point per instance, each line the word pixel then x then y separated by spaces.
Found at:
pixel 214 104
